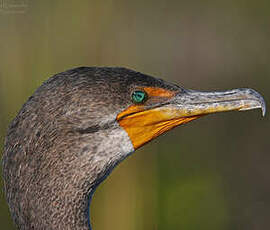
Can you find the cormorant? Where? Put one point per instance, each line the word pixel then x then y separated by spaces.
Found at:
pixel 79 124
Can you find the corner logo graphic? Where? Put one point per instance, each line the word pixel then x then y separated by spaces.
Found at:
pixel 13 6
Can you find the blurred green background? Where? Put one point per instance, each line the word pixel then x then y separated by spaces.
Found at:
pixel 210 174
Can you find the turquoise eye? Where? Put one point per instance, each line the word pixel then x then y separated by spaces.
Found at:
pixel 138 96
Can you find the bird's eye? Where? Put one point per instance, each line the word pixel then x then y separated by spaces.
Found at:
pixel 138 96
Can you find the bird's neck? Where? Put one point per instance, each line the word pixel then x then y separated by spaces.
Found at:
pixel 71 194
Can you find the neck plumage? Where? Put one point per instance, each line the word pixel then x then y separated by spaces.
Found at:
pixel 96 163
pixel 55 184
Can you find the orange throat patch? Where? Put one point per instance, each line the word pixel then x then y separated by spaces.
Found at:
pixel 145 125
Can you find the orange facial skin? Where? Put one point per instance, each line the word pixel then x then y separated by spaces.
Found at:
pixel 143 125
pixel 158 92
pixel 146 125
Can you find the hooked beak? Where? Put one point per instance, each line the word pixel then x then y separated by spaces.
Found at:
pixel 144 124
pixel 194 103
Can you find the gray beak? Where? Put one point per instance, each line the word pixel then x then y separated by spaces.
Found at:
pixel 195 103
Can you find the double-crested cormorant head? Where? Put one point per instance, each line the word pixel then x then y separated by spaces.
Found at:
pixel 79 124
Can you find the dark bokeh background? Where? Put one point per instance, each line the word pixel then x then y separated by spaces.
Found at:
pixel 210 174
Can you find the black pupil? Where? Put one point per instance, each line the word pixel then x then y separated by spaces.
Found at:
pixel 138 96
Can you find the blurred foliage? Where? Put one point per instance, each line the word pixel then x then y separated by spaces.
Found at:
pixel 210 174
